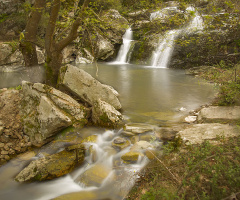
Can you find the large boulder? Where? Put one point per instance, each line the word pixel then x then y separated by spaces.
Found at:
pixel 105 115
pixel 45 111
pixel 105 48
pixel 86 87
pixel 52 166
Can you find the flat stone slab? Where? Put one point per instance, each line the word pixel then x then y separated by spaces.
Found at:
pixel 219 114
pixel 198 133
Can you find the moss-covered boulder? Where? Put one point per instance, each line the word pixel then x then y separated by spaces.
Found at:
pixel 131 157
pixel 52 166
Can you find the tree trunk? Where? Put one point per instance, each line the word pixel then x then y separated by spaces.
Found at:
pixel 29 53
pixel 28 38
pixel 53 65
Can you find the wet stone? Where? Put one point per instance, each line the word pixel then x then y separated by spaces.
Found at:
pixel 119 140
pixel 1 145
pixel 4 152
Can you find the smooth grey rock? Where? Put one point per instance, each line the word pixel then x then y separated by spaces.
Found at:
pixel 45 111
pixel 105 115
pixel 86 87
pixel 51 119
pixel 198 133
pixel 219 113
pixel 104 48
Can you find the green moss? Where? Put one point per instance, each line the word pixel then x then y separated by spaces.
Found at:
pixel 104 118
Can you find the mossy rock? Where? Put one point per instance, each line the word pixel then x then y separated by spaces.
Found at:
pixel 90 139
pixel 94 176
pixel 131 157
pixel 120 145
pixel 52 166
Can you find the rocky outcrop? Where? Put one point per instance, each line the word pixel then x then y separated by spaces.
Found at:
pixel 102 98
pixel 219 114
pixel 10 55
pixel 12 139
pixel 10 6
pixel 45 111
pixel 52 166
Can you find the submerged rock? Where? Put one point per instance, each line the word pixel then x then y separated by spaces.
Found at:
pixel 94 176
pixel 52 166
pixel 45 111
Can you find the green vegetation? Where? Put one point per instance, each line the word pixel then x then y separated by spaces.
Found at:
pixel 205 172
pixel 228 77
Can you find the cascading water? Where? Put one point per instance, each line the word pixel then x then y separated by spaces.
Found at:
pixel 122 56
pixel 197 22
pixel 162 55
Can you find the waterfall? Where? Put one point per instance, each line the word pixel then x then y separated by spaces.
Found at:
pixel 196 23
pixel 165 48
pixel 123 52
pixel 162 56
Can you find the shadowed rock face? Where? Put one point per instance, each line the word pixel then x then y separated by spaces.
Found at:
pixel 46 111
pixel 52 166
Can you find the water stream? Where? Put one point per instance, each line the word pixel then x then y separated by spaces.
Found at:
pixel 148 95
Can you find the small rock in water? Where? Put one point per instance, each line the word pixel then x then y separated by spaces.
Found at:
pixel 190 119
pixel 119 140
pixel 182 109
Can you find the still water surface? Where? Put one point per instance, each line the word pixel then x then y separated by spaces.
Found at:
pixel 153 95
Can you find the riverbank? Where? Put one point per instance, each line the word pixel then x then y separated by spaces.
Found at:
pixel 202 170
